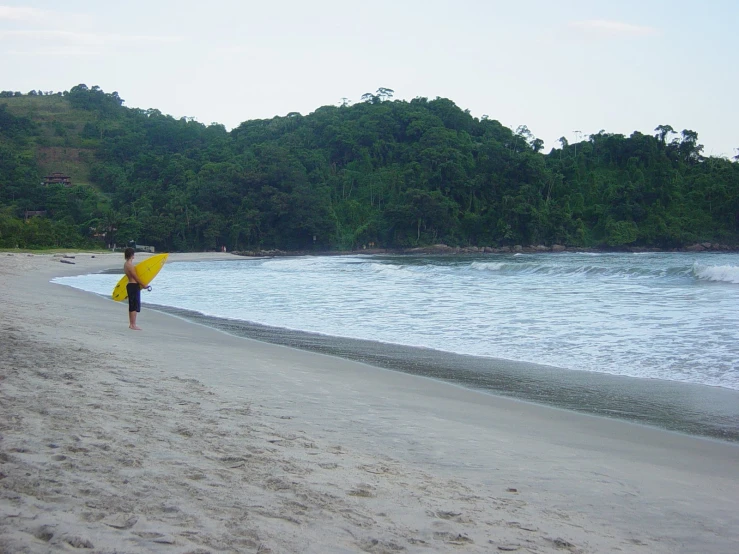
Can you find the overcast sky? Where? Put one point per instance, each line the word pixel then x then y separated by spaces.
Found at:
pixel 557 67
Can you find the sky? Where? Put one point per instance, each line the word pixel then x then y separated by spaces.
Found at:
pixel 568 68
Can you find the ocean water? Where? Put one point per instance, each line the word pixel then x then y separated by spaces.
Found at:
pixel 665 316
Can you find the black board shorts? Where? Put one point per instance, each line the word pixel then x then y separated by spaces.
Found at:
pixel 134 297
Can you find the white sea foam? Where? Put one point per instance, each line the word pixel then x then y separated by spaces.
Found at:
pixel 302 263
pixel 724 273
pixel 487 266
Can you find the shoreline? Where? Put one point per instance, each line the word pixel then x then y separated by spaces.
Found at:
pixel 689 408
pixel 684 407
pixel 186 439
pixel 445 250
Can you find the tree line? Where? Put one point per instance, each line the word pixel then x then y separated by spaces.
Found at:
pixel 386 172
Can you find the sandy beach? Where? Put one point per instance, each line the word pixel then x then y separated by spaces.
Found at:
pixel 184 439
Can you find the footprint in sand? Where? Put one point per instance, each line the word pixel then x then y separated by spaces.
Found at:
pixel 120 521
pixel 451 516
pixel 44 533
pixel 452 538
pixel 362 491
pixel 507 547
pixel 377 546
pixel 154 536
pixel 78 542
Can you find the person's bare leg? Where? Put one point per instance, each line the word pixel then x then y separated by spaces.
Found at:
pixel 132 321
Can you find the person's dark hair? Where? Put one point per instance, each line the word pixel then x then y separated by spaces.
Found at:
pixel 128 253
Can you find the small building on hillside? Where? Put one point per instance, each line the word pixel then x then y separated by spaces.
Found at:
pixel 140 247
pixel 33 213
pixel 57 178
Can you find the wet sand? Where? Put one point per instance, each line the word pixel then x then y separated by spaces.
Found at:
pixel 182 438
pixel 683 407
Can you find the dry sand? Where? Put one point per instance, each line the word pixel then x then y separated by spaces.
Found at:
pixel 182 439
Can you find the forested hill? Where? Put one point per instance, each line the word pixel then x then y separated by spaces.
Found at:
pixel 381 172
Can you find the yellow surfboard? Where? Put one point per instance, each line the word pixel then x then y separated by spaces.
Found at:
pixel 146 270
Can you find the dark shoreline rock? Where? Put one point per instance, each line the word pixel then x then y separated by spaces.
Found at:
pixel 443 249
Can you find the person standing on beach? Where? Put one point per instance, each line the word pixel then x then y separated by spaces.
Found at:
pixel 133 288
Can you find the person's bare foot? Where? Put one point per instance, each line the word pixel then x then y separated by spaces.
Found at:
pixel 134 327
